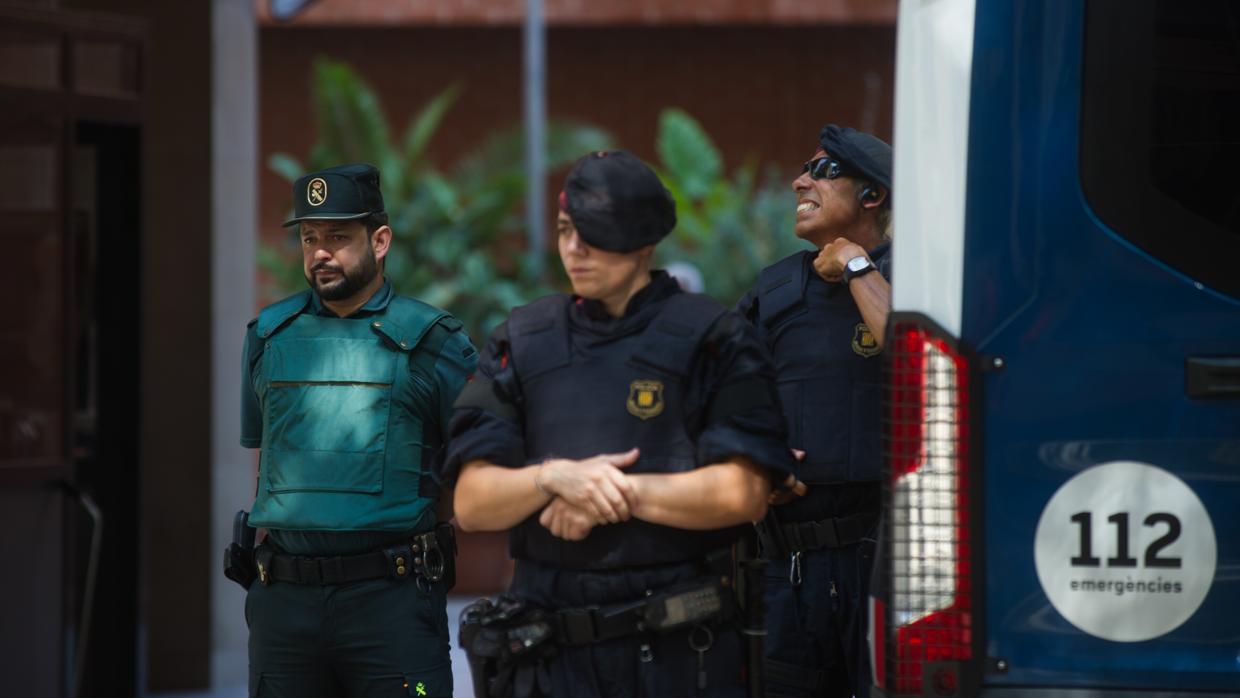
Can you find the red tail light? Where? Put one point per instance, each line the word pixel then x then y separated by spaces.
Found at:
pixel 925 630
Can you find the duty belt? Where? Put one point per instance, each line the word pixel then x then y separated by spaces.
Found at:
pixel 790 538
pixel 678 607
pixel 423 557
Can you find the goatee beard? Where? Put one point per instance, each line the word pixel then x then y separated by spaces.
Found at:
pixel 350 282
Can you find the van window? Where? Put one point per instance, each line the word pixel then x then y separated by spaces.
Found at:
pixel 1160 130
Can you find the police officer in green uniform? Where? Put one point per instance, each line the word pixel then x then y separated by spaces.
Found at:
pixel 347 389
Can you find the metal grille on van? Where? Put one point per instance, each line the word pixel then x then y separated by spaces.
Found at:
pixel 923 617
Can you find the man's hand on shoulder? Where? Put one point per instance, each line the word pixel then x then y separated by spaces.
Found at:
pixel 829 264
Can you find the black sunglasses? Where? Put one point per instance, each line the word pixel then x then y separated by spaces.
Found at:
pixel 823 168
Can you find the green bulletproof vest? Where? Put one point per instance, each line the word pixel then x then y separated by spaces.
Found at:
pixel 343 438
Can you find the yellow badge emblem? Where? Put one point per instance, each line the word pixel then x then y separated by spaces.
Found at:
pixel 316 191
pixel 645 398
pixel 863 343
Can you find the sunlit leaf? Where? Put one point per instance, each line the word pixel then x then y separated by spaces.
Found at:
pixel 426 123
pixel 687 153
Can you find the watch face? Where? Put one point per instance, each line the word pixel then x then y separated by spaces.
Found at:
pixel 858 263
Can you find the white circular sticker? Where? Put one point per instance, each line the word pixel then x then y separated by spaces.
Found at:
pixel 1125 551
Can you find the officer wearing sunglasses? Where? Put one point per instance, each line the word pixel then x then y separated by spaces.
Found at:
pixel 822 313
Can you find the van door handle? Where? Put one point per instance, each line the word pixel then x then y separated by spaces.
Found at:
pixel 1215 376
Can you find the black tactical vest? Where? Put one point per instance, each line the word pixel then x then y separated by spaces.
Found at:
pixel 828 368
pixel 584 396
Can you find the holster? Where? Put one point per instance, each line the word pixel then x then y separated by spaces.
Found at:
pixel 445 534
pixel 506 641
pixel 772 544
pixel 239 555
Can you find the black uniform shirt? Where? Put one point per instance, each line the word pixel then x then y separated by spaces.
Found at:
pixel 733 353
pixel 838 499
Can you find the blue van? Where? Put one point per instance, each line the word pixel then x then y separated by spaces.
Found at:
pixel 1062 504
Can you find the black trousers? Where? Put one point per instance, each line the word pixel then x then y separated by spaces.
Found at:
pixel 639 666
pixel 819 626
pixel 381 638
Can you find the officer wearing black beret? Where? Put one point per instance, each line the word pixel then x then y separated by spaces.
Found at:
pixel 624 435
pixel 347 388
pixel 823 314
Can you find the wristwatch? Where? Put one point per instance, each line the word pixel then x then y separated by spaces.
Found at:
pixel 857 266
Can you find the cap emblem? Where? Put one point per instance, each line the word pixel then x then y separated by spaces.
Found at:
pixel 316 191
pixel 645 398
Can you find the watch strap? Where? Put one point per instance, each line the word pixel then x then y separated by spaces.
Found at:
pixel 849 274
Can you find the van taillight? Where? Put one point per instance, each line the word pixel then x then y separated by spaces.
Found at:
pixel 923 624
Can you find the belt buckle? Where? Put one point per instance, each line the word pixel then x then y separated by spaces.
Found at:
pixel 578 625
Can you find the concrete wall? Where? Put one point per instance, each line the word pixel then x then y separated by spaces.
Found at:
pixel 234 127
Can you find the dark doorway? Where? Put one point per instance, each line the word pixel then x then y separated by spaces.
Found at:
pixel 105 224
pixel 70 212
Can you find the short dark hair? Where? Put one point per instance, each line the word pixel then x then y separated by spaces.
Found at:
pixel 374 221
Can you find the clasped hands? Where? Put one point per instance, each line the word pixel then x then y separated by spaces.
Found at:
pixel 596 491
pixel 587 493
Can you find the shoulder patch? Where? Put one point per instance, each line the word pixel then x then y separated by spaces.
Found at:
pixel 407 320
pixel 538 336
pixel 276 315
pixel 781 287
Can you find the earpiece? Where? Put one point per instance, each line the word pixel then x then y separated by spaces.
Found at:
pixel 869 193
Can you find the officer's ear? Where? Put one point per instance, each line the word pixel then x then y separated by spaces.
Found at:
pixel 381 241
pixel 871 195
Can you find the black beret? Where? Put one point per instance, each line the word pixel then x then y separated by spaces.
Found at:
pixel 859 153
pixel 617 202
pixel 340 193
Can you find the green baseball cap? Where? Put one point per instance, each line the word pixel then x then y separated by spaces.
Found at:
pixel 340 193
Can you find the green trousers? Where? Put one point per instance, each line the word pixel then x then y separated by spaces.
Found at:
pixel 380 638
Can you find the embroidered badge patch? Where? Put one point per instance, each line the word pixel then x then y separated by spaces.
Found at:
pixel 863 343
pixel 645 398
pixel 316 191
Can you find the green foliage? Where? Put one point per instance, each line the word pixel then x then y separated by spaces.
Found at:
pixel 458 235
pixel 728 227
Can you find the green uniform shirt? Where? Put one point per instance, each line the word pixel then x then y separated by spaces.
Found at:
pixel 456 363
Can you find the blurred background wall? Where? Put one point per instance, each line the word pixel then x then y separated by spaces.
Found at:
pixel 761 77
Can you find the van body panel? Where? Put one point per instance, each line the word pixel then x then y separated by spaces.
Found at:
pixel 1093 334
